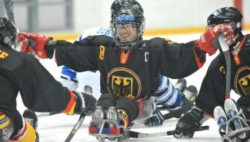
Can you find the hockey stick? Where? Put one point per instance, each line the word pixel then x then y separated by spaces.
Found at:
pixel 47 114
pixel 134 134
pixel 2 9
pixel 1 136
pixel 202 128
pixel 226 52
pixel 9 10
pixel 175 113
pixel 76 127
pixel 87 90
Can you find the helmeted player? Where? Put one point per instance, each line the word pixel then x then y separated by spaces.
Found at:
pixel 23 73
pixel 212 92
pixel 167 95
pixel 129 66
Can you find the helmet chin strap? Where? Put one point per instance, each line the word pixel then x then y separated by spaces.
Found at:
pixel 128 45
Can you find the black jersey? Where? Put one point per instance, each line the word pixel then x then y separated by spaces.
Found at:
pixel 212 92
pixel 133 73
pixel 23 73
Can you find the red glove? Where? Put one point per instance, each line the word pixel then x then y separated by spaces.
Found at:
pixel 23 45
pixel 205 43
pixel 33 43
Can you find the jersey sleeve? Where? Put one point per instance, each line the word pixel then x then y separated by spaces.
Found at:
pixel 180 59
pixel 38 88
pixel 79 56
pixel 8 94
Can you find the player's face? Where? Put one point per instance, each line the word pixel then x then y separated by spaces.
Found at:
pixel 230 38
pixel 126 32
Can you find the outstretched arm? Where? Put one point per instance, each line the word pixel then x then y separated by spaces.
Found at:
pixel 184 59
pixel 79 56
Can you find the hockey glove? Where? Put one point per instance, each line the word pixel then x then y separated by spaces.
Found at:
pixel 155 120
pixel 207 42
pixel 188 98
pixel 34 43
pixel 177 113
pixel 188 124
pixel 85 103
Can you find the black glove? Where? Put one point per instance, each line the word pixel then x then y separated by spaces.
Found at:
pixel 186 105
pixel 188 124
pixel 155 120
pixel 85 103
pixel 188 98
pixel 90 103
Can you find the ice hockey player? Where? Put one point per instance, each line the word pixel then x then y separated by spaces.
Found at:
pixel 167 96
pixel 23 73
pixel 129 66
pixel 212 92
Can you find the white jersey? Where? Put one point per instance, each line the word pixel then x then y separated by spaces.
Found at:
pixel 96 31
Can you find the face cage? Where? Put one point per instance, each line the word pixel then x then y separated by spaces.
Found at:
pixel 236 26
pixel 125 25
pixel 9 40
pixel 9 35
pixel 131 44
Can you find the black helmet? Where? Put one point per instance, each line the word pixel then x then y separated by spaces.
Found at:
pixel 229 15
pixel 8 32
pixel 118 4
pixel 130 12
